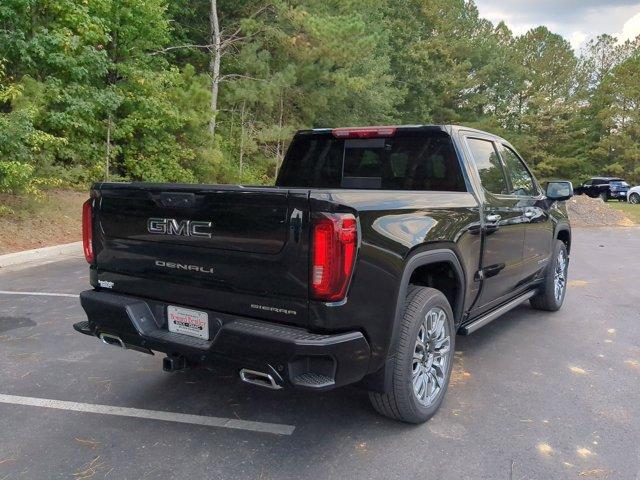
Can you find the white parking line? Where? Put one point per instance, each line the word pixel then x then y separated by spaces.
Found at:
pixel 274 428
pixel 40 294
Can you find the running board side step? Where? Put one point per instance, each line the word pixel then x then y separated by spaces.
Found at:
pixel 491 316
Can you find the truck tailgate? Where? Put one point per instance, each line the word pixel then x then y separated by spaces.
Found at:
pixel 232 249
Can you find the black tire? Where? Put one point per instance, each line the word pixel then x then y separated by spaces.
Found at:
pixel 634 198
pixel 402 403
pixel 547 299
pixel 604 196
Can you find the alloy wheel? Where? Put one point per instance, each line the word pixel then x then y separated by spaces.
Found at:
pixel 560 275
pixel 431 356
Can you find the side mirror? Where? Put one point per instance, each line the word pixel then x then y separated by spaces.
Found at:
pixel 559 190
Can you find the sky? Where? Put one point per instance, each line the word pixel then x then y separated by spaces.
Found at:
pixel 575 20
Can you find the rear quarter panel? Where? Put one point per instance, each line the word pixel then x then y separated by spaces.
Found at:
pixel 393 225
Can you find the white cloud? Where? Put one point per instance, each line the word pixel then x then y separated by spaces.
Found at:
pixel 576 20
pixel 577 39
pixel 630 29
pixel 497 16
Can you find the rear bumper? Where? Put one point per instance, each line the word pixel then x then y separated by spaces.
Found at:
pixel 291 355
pixel 618 194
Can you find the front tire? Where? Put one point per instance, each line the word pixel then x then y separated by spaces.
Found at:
pixel 423 358
pixel 604 196
pixel 634 198
pixel 554 287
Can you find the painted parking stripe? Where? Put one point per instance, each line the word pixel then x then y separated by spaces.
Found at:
pixel 40 294
pixel 274 428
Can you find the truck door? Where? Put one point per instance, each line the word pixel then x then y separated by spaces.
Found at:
pixel 539 228
pixel 500 270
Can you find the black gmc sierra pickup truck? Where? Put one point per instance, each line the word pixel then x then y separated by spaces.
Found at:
pixel 376 246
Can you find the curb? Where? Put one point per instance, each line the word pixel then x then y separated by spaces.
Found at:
pixel 41 254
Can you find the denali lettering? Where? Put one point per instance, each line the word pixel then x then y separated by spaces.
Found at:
pixel 182 266
pixel 180 228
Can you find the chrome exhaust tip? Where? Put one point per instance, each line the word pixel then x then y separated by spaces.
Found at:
pixel 112 340
pixel 260 379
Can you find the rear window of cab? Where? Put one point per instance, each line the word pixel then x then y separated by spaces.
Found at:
pixel 405 161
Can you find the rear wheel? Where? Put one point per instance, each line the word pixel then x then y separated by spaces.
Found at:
pixel 423 359
pixel 634 198
pixel 551 296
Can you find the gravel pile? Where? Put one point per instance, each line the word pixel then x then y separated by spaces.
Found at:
pixel 593 212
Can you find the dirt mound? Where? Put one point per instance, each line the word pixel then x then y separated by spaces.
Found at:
pixel 27 222
pixel 593 212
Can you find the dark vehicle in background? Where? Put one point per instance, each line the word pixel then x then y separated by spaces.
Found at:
pixel 606 188
pixel 376 246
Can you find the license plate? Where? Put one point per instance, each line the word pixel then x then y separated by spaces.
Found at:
pixel 188 322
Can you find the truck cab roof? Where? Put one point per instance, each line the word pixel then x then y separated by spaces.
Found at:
pixel 448 128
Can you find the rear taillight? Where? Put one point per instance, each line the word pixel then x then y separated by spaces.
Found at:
pixel 87 231
pixel 334 243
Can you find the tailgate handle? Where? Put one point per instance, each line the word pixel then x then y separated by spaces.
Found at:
pixel 296 224
pixel 177 200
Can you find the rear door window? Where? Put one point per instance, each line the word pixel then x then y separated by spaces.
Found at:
pixel 406 161
pixel 489 166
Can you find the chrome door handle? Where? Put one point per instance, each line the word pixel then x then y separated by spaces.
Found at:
pixel 493 218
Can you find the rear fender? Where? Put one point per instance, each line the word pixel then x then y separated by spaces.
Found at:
pixel 380 381
pixel 563 230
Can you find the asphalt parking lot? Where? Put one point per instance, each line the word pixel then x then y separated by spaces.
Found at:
pixel 533 396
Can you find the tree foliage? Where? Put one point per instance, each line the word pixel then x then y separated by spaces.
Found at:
pixel 121 89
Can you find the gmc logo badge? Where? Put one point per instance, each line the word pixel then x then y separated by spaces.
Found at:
pixel 179 228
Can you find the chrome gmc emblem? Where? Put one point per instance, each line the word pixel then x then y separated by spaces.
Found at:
pixel 179 228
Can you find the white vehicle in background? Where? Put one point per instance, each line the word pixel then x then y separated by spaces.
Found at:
pixel 633 195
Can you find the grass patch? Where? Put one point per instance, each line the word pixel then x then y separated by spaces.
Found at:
pixel 631 211
pixel 27 222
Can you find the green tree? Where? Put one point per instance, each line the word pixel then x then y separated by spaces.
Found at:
pixel 124 89
pixel 618 150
